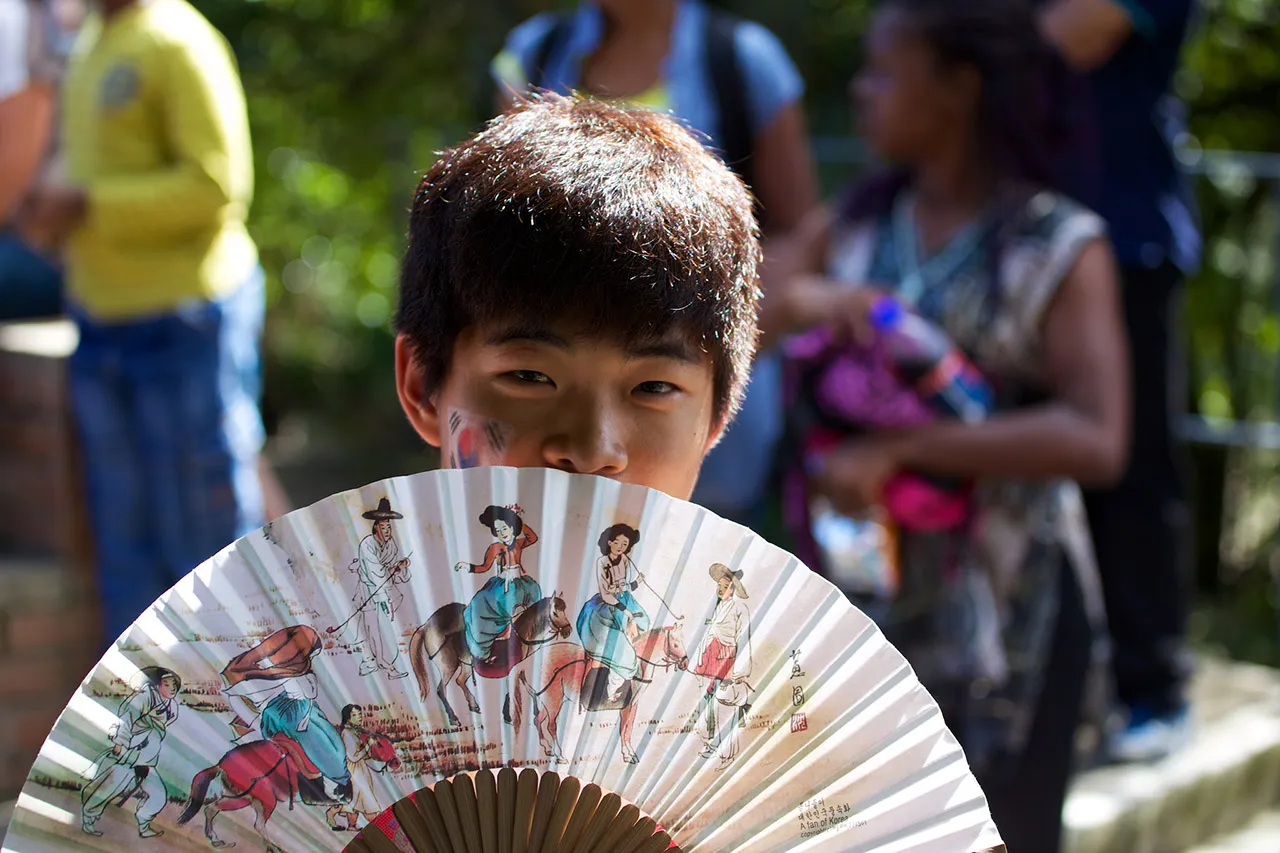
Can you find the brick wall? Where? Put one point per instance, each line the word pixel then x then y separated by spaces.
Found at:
pixel 38 513
pixel 48 620
pixel 48 643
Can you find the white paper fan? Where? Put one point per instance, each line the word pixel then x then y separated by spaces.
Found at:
pixel 725 689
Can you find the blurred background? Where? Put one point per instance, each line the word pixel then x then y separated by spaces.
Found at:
pixel 341 134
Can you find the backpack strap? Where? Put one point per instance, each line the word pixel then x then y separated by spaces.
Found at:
pixel 736 139
pixel 545 48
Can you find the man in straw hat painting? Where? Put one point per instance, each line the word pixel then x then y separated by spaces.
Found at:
pixel 381 570
pixel 128 768
pixel 724 660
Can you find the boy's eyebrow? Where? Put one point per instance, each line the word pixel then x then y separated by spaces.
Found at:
pixel 672 348
pixel 676 350
pixel 527 334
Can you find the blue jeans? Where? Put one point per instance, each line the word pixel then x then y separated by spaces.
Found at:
pixel 30 285
pixel 735 475
pixel 166 412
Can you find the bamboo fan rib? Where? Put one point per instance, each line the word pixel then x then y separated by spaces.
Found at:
pixel 556 815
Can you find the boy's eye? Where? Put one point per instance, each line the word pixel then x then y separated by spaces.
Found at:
pixel 656 388
pixel 531 376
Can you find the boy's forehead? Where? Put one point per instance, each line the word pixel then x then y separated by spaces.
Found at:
pixel 674 342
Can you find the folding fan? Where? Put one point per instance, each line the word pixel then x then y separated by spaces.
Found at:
pixel 313 674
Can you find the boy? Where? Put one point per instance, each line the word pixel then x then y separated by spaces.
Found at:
pixel 579 292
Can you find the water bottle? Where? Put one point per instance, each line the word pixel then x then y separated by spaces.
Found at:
pixel 924 357
pixel 859 555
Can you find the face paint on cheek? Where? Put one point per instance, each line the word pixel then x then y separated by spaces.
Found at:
pixel 475 441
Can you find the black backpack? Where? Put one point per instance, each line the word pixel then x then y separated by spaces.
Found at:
pixel 736 138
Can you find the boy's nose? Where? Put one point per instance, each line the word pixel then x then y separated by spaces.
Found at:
pixel 591 445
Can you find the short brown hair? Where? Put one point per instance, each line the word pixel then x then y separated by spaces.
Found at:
pixel 568 208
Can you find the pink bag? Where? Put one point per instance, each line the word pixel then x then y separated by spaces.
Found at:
pixel 853 390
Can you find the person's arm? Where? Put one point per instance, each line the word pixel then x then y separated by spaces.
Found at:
pixel 530 537
pixel 26 107
pixel 786 182
pixel 206 126
pixel 790 275
pixel 26 128
pixel 1082 434
pixel 1087 33
pixel 783 170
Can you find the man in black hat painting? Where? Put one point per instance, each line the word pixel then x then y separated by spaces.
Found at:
pixel 381 570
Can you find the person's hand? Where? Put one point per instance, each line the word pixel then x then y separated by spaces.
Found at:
pixel 739 679
pixel 462 566
pixel 853 475
pixel 640 577
pixel 117 750
pixel 50 212
pixel 847 310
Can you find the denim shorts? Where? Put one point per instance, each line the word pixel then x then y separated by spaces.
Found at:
pixel 166 412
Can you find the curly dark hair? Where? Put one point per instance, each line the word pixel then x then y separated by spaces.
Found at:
pixel 612 218
pixel 611 533
pixel 1030 116
pixel 493 514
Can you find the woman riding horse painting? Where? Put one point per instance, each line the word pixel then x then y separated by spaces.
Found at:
pixel 612 618
pixel 505 595
pixel 273 683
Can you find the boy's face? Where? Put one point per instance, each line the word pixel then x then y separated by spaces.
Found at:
pixel 550 398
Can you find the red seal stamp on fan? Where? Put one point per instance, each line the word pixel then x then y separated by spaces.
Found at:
pixel 799 723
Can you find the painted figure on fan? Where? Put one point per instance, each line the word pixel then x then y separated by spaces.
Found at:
pixel 612 619
pixel 381 570
pixel 358 744
pixel 505 595
pixel 128 768
pixel 273 686
pixel 723 660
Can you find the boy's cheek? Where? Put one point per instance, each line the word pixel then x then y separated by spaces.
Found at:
pixel 472 441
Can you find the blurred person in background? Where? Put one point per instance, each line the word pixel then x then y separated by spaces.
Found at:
pixel 1128 51
pixel 165 288
pixel 731 80
pixel 1000 614
pixel 32 54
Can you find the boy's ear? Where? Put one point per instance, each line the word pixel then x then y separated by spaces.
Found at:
pixel 421 409
pixel 718 427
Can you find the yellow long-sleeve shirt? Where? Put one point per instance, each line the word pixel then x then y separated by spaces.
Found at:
pixel 157 134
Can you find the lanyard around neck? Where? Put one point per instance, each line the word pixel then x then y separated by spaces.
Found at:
pixel 917 278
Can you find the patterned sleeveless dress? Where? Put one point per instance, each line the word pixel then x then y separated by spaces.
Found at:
pixel 977 606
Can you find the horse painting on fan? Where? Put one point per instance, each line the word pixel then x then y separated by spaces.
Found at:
pixel 506 619
pixel 565 671
pixel 263 774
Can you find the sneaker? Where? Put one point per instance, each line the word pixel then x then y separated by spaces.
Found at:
pixel 1150 737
